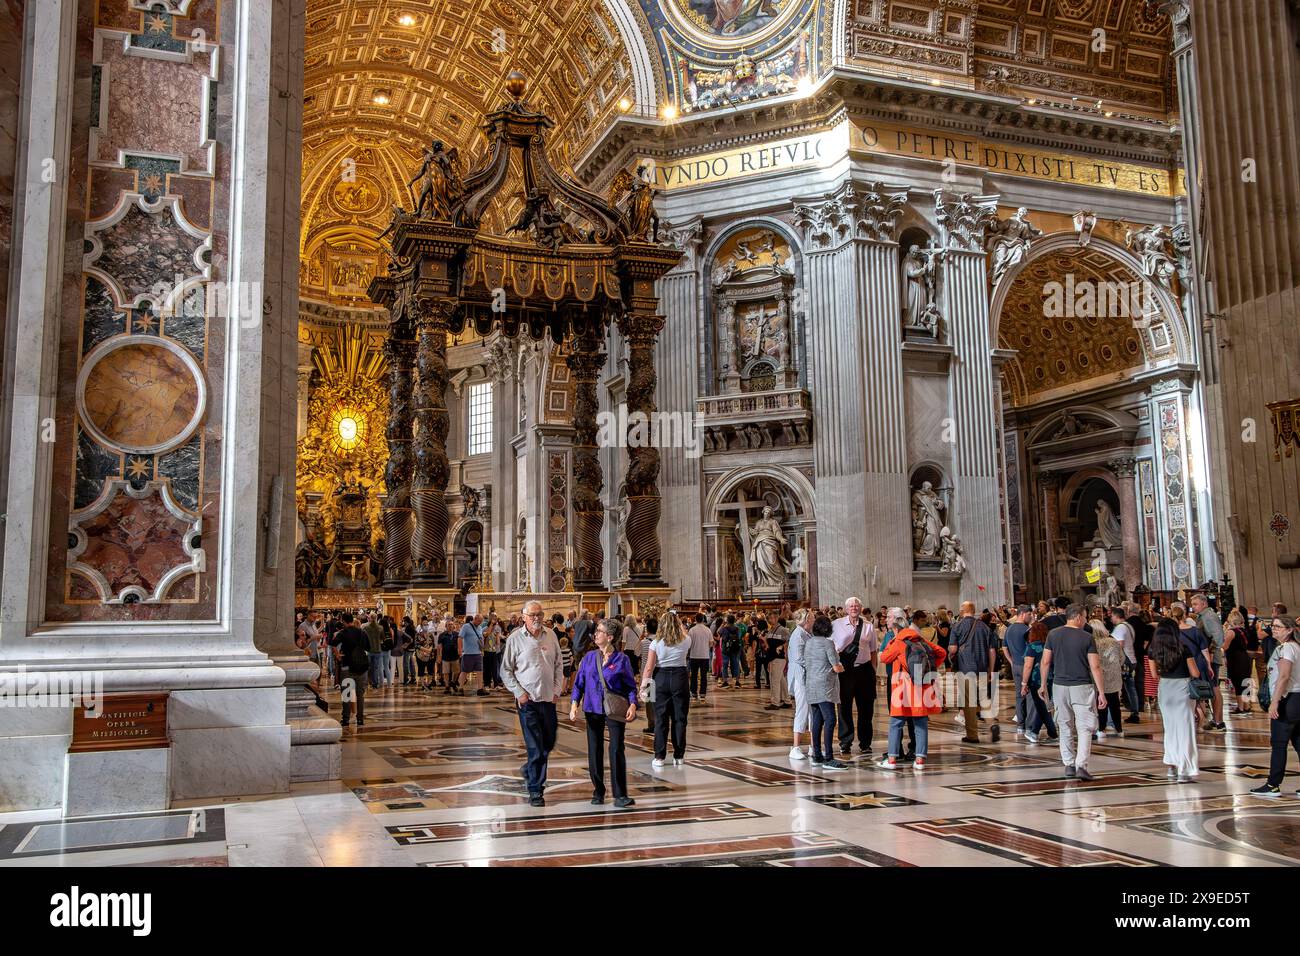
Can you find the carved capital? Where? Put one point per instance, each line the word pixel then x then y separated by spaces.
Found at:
pixel 965 218
pixel 868 210
pixel 1179 13
pixel 688 239
pixel 1124 467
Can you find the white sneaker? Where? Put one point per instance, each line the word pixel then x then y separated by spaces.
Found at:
pixel 1031 737
pixel 888 764
pixel 1100 735
pixel 658 763
pixel 797 754
pixel 918 765
pixel 677 762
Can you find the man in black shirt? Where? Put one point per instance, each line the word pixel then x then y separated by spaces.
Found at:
pixel 975 653
pixel 1141 639
pixel 353 649
pixel 1056 619
pixel 1072 664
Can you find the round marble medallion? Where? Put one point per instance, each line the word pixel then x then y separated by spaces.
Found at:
pixel 141 394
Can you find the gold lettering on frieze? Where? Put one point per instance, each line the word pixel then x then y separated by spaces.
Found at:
pixel 828 146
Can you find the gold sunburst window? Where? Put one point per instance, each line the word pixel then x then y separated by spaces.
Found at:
pixel 347 428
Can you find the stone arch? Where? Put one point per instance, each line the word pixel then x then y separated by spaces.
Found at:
pixel 801 488
pixel 1061 350
pixel 1069 242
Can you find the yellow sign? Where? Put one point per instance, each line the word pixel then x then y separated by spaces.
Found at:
pixel 1092 575
pixel 829 146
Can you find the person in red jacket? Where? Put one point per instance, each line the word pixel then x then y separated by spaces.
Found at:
pixel 914 691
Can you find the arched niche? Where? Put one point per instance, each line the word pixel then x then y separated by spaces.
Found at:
pixel 733 510
pixel 754 325
pixel 469 553
pixel 918 283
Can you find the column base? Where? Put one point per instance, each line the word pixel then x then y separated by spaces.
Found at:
pixel 642 600
pixel 432 601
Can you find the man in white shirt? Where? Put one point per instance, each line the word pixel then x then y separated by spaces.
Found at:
pixel 1122 631
pixel 701 654
pixel 856 642
pixel 532 670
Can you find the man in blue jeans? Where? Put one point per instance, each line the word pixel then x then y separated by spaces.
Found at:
pixel 1013 649
pixel 729 638
pixel 532 670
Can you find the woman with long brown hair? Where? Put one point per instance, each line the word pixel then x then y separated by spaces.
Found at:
pixel 1175 663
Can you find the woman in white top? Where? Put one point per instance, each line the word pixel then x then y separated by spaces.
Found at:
pixel 1284 702
pixel 667 663
pixel 795 679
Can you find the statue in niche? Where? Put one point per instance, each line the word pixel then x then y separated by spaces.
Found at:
pixel 764 335
pixel 927 520
pixel 920 269
pixel 1065 571
pixel 623 547
pixel 1009 241
pixel 950 551
pixel 1109 532
pixel 472 500
pixel 767 561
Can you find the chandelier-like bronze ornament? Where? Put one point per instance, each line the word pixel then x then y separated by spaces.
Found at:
pixel 571 265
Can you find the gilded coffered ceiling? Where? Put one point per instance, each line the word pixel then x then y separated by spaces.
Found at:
pixel 385 77
pixel 1090 340
pixel 1065 53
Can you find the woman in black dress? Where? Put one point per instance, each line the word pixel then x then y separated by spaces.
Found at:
pixel 1236 651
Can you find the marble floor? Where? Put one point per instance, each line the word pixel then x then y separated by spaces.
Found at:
pixel 433 780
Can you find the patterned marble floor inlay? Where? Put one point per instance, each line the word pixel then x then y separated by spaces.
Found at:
pixel 867 800
pixel 435 780
pixel 1062 784
pixel 785 849
pixel 497 827
pixel 1021 844
pixel 477 789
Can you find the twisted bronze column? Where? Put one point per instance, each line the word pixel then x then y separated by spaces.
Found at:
pixel 398 519
pixel 641 327
pixel 585 362
pixel 429 542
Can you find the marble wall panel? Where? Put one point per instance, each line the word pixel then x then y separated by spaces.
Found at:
pixel 149 195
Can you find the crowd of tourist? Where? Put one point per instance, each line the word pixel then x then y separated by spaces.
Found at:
pixel 1073 669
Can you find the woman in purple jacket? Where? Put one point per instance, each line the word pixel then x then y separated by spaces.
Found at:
pixel 587 688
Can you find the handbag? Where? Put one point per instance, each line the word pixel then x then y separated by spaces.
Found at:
pixel 1198 688
pixel 616 705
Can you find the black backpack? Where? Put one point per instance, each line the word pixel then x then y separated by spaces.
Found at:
pixel 920 661
pixel 731 643
pixel 359 660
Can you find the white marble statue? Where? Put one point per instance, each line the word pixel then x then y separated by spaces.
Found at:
pixel 726 323
pixel 950 549
pixel 1065 563
pixel 1109 531
pixel 767 561
pixel 920 272
pixel 927 520
pixel 1009 241
pixel 1109 590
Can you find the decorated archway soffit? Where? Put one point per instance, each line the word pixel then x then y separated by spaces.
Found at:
pixel 1088 338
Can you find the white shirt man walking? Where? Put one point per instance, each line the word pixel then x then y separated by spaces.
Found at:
pixel 855 641
pixel 700 657
pixel 532 670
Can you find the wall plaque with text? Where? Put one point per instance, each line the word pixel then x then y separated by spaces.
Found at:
pixel 122 722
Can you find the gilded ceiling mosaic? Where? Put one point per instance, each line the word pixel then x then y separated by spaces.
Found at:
pixel 382 77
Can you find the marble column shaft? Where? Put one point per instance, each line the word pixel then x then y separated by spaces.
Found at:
pixel 836 356
pixel 429 541
pixel 641 327
pixel 585 364
pixel 885 435
pixel 677 356
pixel 975 414
pixel 1125 470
